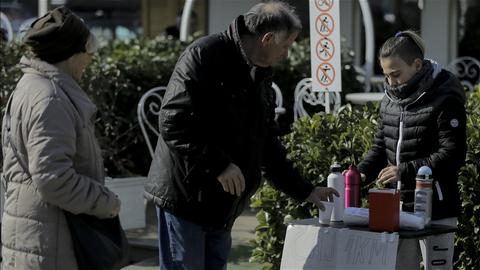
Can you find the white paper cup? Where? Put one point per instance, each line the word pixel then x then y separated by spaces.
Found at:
pixel 324 216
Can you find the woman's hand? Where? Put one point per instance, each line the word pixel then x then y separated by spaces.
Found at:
pixel 116 210
pixel 388 175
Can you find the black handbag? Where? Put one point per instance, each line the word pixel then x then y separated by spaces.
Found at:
pixel 99 244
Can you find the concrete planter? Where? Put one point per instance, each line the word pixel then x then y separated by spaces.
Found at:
pixel 130 192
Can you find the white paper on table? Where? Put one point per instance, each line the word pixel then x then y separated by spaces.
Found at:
pixel 311 246
pixel 409 221
pixel 354 216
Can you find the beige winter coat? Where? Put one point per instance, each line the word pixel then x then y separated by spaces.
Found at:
pixel 52 128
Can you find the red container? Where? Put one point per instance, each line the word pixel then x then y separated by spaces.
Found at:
pixel 384 212
pixel 352 187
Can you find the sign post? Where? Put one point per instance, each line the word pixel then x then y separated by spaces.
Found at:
pixel 325 48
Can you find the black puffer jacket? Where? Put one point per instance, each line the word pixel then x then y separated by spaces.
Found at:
pixel 217 109
pixel 425 127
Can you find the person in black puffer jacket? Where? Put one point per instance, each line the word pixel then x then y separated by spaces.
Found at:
pixel 422 123
pixel 217 134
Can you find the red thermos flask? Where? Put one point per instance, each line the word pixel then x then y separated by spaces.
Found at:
pixel 352 187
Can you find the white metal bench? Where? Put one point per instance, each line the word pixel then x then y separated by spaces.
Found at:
pixel 304 94
pixel 279 109
pixel 467 69
pixel 148 110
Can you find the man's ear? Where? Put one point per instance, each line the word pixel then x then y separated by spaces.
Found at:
pixel 418 64
pixel 267 38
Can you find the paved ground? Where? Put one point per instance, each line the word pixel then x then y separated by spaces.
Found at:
pixel 242 233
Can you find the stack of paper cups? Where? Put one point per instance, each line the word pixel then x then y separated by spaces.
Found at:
pixel 337 181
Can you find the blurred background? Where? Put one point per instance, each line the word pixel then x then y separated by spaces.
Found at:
pixel 451 28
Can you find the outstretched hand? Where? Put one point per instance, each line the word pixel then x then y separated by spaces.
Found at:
pixel 320 194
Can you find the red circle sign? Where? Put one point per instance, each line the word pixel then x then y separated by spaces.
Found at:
pixel 324 24
pixel 325 74
pixel 324 5
pixel 325 49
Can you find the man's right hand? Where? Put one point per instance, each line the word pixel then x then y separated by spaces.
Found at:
pixel 232 180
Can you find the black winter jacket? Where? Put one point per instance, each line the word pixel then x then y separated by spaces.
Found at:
pixel 427 128
pixel 217 109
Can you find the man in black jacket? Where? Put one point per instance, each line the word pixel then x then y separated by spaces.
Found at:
pixel 217 133
pixel 422 123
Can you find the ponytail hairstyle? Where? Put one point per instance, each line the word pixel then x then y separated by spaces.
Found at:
pixel 407 45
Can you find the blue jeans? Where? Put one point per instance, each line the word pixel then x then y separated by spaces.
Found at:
pixel 184 245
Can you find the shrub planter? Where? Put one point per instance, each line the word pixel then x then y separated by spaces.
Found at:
pixel 130 192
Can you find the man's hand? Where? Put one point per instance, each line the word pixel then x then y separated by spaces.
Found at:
pixel 320 194
pixel 388 175
pixel 232 180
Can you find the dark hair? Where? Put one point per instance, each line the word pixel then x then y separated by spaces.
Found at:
pixel 405 44
pixel 272 16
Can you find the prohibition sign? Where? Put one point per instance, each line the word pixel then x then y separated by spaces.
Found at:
pixel 324 24
pixel 325 49
pixel 325 74
pixel 324 5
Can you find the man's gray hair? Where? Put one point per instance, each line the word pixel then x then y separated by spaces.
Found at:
pixel 273 16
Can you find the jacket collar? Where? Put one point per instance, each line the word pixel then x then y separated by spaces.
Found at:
pixel 416 87
pixel 234 32
pixel 72 89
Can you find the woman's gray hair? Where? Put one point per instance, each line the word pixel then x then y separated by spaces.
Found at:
pixel 273 16
pixel 92 44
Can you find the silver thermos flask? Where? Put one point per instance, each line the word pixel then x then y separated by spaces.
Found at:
pixel 423 194
pixel 337 181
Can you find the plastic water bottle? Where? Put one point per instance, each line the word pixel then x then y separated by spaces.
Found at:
pixel 423 194
pixel 352 187
pixel 336 180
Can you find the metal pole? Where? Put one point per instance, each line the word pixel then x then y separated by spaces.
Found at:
pixel 369 41
pixel 185 23
pixel 327 101
pixel 42 7
pixel 7 25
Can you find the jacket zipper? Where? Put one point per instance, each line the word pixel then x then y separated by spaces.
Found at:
pixel 400 134
pixel 399 144
pixel 400 137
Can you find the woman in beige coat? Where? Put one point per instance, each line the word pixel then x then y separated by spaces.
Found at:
pixel 53 133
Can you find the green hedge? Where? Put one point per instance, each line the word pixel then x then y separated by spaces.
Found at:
pixel 314 145
pixel 317 142
pixel 467 242
pixel 118 76
pixel 124 70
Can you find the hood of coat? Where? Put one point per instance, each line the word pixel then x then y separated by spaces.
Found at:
pixel 431 79
pixel 83 104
